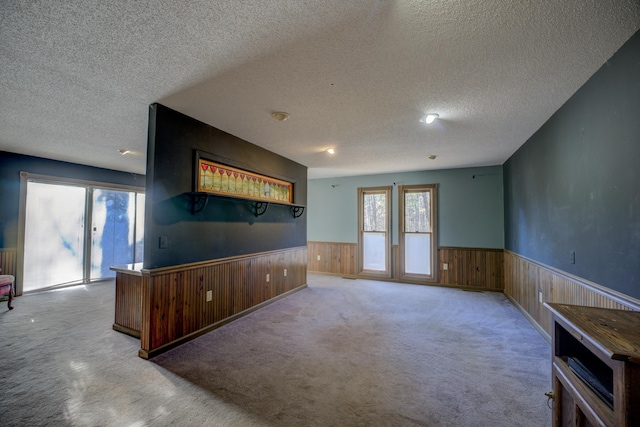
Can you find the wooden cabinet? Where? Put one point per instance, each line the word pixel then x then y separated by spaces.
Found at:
pixel 595 366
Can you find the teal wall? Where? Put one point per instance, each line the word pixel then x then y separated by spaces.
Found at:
pixel 470 205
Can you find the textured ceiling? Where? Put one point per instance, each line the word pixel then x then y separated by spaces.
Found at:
pixel 77 76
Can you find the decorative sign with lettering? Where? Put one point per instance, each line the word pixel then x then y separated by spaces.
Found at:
pixel 216 178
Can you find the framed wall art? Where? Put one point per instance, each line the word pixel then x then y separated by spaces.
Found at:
pixel 224 180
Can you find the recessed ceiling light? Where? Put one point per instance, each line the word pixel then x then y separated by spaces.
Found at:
pixel 430 118
pixel 280 116
pixel 331 151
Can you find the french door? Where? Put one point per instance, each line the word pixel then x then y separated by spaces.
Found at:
pixel 374 223
pixel 74 232
pixel 418 240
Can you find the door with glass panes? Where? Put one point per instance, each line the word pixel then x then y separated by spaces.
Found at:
pixel 74 232
pixel 417 241
pixel 374 240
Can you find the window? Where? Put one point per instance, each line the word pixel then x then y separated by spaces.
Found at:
pixel 374 242
pixel 74 231
pixel 417 239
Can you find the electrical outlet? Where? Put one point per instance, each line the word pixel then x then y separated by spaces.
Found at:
pixel 209 296
pixel 445 266
pixel 268 277
pixel 539 296
pixel 318 257
pixel 285 272
pixel 572 257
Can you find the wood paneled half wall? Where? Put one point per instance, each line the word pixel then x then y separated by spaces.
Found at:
pixel 8 261
pixel 477 268
pixel 179 303
pixel 529 285
pixel 339 259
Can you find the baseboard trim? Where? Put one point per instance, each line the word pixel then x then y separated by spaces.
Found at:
pixel 408 282
pixel 168 346
pixel 125 330
pixel 531 320
pixel 324 273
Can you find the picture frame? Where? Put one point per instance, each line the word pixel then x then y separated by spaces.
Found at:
pixel 212 176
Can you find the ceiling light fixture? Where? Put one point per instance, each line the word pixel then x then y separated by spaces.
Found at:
pixel 432 157
pixel 124 152
pixel 331 151
pixel 430 118
pixel 280 116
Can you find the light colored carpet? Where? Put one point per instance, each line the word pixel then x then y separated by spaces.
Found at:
pixel 340 353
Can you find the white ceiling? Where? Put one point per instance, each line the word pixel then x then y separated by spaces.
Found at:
pixel 77 76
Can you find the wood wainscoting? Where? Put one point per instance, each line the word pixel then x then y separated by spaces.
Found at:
pixel 477 268
pixel 128 315
pixel 339 259
pixel 529 284
pixel 173 300
pixel 8 260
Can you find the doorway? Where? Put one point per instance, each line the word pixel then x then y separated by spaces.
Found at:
pixel 418 239
pixel 374 224
pixel 74 232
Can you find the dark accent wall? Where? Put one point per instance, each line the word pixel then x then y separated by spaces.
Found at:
pixel 227 226
pixel 12 164
pixel 574 186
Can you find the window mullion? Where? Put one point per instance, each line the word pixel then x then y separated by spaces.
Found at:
pixel 88 234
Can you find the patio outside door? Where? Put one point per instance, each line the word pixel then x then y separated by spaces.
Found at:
pixel 54 235
pixel 74 233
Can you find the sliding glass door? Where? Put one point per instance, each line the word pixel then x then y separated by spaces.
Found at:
pixel 54 235
pixel 75 232
pixel 112 231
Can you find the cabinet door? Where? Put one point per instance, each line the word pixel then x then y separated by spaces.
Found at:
pixel 566 411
